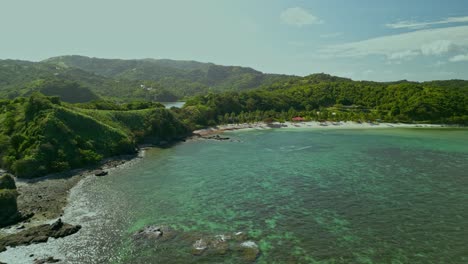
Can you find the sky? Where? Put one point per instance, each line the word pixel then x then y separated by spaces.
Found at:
pixel 377 40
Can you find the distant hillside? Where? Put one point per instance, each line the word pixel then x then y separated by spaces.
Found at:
pixel 183 78
pixel 86 79
pixel 21 78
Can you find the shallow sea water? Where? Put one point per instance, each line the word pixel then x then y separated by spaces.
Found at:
pixel 303 195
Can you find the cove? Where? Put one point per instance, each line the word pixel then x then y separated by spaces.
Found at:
pixel 302 195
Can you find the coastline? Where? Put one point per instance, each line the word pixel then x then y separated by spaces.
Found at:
pixel 310 124
pixel 48 196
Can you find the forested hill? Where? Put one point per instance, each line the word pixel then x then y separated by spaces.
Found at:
pixel 325 97
pixel 21 78
pixel 41 135
pixel 81 79
pixel 184 78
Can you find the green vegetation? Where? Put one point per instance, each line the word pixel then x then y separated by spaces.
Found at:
pixel 91 112
pixel 40 135
pixel 324 97
pixel 168 80
pixel 83 79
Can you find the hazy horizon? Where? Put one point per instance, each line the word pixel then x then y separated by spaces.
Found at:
pixel 365 40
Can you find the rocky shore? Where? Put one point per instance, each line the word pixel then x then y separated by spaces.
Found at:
pixel 38 234
pixel 44 199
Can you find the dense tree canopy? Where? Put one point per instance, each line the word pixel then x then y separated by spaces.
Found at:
pixel 317 96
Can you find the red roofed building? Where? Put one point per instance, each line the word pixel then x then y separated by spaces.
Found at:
pixel 298 119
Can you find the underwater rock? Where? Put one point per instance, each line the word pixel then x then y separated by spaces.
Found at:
pixel 250 251
pixel 199 247
pixel 220 244
pixel 240 236
pixel 223 244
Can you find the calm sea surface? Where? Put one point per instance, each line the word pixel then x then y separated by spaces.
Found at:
pixel 302 195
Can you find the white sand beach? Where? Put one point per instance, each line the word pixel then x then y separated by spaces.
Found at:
pixel 311 124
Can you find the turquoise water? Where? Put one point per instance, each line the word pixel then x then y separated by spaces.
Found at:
pixel 304 196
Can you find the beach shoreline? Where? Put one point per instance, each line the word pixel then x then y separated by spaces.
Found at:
pixel 310 124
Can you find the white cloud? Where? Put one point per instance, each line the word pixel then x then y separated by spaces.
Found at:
pixel 403 55
pixel 458 58
pixel 437 47
pixel 419 25
pixel 298 16
pixel 427 42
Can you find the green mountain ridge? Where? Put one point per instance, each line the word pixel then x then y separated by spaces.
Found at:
pixel 126 80
pixel 171 73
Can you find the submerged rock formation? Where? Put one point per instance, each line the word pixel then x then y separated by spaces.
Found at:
pixel 203 245
pixel 225 244
pixel 38 234
pixel 250 250
pixel 237 244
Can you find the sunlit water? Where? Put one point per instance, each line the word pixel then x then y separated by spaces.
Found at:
pixel 303 195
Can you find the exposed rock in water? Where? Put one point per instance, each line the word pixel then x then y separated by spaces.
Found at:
pixel 217 137
pixel 38 234
pixel 101 173
pixel 46 260
pixel 154 233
